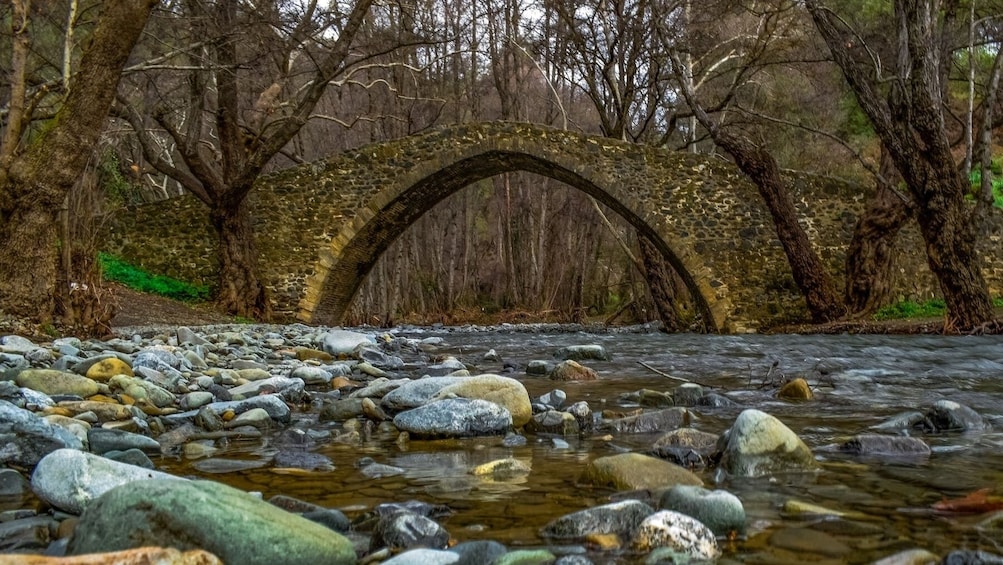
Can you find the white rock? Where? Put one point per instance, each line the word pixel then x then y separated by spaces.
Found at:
pixel 343 342
pixel 678 532
pixel 69 479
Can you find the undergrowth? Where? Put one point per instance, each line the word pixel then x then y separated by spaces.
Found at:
pixel 115 269
pixel 907 309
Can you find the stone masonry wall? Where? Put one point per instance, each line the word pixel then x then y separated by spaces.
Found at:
pixel 321 226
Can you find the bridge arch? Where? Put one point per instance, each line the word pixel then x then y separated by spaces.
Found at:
pixel 348 258
pixel 320 226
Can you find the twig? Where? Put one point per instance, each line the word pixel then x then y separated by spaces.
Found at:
pixel 664 374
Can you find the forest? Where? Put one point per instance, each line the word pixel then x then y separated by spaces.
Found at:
pixel 106 105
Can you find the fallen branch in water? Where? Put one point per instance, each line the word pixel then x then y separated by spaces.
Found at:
pixel 664 374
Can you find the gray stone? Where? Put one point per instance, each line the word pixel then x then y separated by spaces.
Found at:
pixel 131 457
pixel 195 400
pixel 404 530
pixel 16 344
pixel 887 446
pixel 378 358
pixel 69 479
pixel 255 417
pixel 188 337
pixel 445 367
pixel 538 367
pixel 526 557
pixel 102 440
pixel 13 484
pixel 378 388
pixel 621 518
pixel 143 390
pixel 555 398
pixel 416 393
pixel 687 394
pixel 312 375
pixel 341 410
pixel 554 422
pixel 344 343
pixel 478 552
pixel 423 556
pixel 205 515
pixel 676 531
pixel 946 415
pixel 26 438
pixel 583 352
pixel 31 534
pixel 455 417
pixel 280 385
pixel 899 422
pixel 759 444
pixel 583 415
pixel 655 421
pixel 719 510
pixel 270 403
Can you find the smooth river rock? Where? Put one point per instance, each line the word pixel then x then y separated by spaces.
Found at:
pixel 69 479
pixel 678 532
pixel 719 510
pixel 759 444
pixel 231 524
pixel 26 438
pixel 621 518
pixel 634 471
pixel 504 391
pixel 455 417
pixel 343 342
pixel 416 393
pixel 52 382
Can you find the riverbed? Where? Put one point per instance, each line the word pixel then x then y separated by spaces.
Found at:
pixel 858 381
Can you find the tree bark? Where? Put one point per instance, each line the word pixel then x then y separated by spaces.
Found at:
pixel 658 273
pixel 910 122
pixel 240 290
pixel 870 259
pixel 35 182
pixel 824 303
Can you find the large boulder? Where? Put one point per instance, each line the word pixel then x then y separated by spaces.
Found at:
pixel 69 479
pixel 26 438
pixel 227 522
pixel 759 444
pixel 494 388
pixel 634 471
pixel 455 417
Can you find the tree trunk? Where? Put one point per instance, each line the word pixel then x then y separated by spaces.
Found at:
pixel 950 249
pixel 34 183
pixel 240 291
pixel 824 303
pixel 870 259
pixel 28 260
pixel 658 274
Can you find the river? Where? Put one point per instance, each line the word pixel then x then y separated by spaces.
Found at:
pixel 859 382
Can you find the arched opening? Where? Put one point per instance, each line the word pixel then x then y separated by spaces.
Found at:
pixel 354 252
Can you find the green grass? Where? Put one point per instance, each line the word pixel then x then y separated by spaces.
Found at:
pixel 976 179
pixel 911 309
pixel 115 269
pixel 907 309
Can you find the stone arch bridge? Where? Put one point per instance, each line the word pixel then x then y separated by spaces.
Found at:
pixel 321 226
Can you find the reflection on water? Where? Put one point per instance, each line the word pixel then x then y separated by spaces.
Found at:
pixel 860 381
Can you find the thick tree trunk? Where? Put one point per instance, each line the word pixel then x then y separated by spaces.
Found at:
pixel 33 183
pixel 870 259
pixel 28 259
pixel 949 233
pixel 824 303
pixel 240 291
pixel 659 276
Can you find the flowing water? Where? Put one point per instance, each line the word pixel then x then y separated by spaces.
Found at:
pixel 860 381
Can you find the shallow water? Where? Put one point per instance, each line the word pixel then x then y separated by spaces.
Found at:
pixel 859 380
